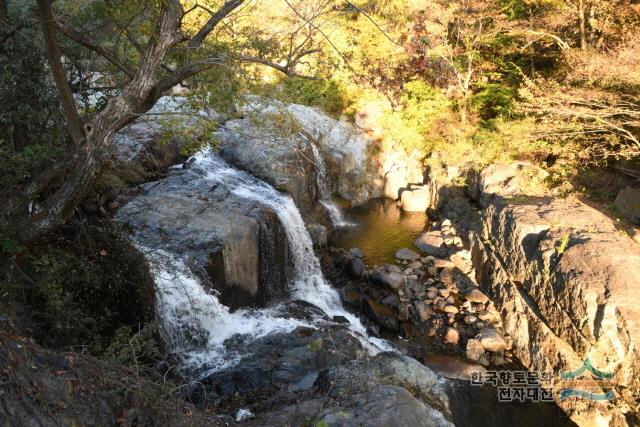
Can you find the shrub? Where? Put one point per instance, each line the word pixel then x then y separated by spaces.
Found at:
pixel 326 94
pixel 494 100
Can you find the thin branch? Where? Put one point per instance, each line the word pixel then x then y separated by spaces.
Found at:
pixel 85 41
pixel 374 23
pixel 215 19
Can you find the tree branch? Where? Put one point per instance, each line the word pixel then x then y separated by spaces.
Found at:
pixel 91 45
pixel 54 55
pixel 285 69
pixel 215 19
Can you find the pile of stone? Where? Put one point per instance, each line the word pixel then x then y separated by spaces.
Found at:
pixel 431 299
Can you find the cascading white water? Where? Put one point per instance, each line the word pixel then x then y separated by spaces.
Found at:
pixel 196 325
pixel 337 219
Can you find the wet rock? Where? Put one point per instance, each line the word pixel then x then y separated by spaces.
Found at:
pixel 391 300
pixel 423 310
pixel 240 245
pixel 628 204
pixel 351 295
pixel 491 340
pixel 405 254
pixel 382 315
pixel 355 268
pixel 340 319
pixel 388 278
pixel 318 234
pixel 431 243
pixel 356 252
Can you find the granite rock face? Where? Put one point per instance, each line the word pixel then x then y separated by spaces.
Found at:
pixel 321 374
pixel 238 245
pixel 286 159
pixel 566 283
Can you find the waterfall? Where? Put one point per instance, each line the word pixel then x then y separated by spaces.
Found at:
pixel 337 219
pixel 195 325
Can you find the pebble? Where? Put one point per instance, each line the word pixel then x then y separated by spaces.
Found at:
pixel 444 292
pixel 414 265
pixel 446 276
pixel 423 310
pixel 491 340
pixel 407 254
pixel 432 294
pixel 451 309
pixel 476 295
pixel 443 263
pixel 393 268
pixel 470 319
pixel 451 336
pixel 485 315
pixel 474 350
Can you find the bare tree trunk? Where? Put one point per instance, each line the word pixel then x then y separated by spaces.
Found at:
pixel 54 57
pixel 583 27
pixel 146 86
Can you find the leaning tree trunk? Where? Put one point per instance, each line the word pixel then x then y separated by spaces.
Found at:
pixel 95 147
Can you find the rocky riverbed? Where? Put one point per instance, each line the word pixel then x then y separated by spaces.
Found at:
pixel 429 299
pixel 390 331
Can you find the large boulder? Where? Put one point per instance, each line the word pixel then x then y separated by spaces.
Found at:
pixel 142 142
pixel 286 160
pixel 237 244
pixel 431 243
pixel 417 198
pixel 311 374
pixel 285 163
pixel 508 180
pixel 566 283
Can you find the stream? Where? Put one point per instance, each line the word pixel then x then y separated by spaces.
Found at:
pixel 210 341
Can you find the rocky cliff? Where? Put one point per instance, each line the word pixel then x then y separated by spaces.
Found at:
pixel 564 280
